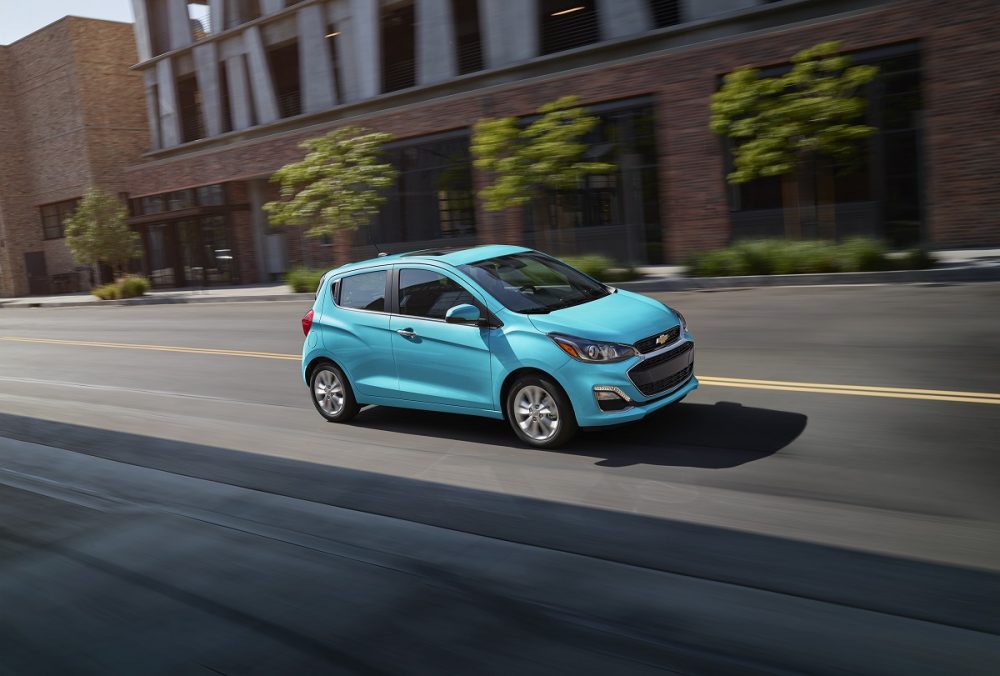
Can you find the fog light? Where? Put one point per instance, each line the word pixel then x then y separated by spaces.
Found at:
pixel 611 398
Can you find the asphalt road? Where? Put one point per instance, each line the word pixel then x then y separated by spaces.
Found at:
pixel 794 486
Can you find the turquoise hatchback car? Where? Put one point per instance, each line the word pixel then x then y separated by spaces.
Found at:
pixel 495 331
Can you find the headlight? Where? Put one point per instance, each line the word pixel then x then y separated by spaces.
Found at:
pixel 592 350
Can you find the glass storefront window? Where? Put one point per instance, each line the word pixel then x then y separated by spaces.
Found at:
pixel 181 199
pixel 152 204
pixel 211 195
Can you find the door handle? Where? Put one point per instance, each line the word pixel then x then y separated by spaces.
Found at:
pixel 406 333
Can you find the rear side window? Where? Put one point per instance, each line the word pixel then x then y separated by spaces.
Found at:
pixel 363 292
pixel 423 293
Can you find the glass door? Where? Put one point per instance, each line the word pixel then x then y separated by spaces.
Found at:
pixel 161 268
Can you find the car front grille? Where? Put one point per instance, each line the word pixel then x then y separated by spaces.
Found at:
pixel 665 357
pixel 668 383
pixel 648 375
pixel 649 344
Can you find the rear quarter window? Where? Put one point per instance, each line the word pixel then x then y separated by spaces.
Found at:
pixel 364 291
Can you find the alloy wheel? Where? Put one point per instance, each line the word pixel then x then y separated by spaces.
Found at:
pixel 536 413
pixel 329 392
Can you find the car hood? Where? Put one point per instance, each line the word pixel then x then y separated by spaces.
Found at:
pixel 621 317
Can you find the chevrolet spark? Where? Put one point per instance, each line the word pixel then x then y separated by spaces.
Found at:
pixel 495 331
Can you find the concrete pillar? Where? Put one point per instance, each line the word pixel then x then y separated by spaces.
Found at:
pixel 271 6
pixel 143 44
pixel 217 15
pixel 622 18
pixel 315 68
pixel 366 52
pixel 180 24
pixel 510 31
pixel 437 59
pixel 240 104
pixel 152 108
pixel 206 63
pixel 170 119
pixel 264 99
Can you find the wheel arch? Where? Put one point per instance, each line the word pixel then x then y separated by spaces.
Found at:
pixel 512 377
pixel 311 366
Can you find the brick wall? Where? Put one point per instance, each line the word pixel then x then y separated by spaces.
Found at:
pixel 961 43
pixel 75 118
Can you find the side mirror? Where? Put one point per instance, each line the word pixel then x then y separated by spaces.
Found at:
pixel 463 314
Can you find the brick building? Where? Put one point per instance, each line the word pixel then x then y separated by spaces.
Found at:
pixel 72 116
pixel 233 87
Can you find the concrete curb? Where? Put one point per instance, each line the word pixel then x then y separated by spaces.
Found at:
pixel 963 274
pixel 157 300
pixel 986 273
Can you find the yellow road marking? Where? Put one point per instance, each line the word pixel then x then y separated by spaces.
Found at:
pixel 158 348
pixel 867 388
pixel 722 382
pixel 712 381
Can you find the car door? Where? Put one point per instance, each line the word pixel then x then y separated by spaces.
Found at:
pixel 438 362
pixel 355 328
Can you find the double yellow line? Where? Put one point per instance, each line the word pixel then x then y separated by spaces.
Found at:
pixel 855 390
pixel 157 348
pixel 713 381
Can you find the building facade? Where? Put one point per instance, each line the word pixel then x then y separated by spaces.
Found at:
pixel 72 116
pixel 233 87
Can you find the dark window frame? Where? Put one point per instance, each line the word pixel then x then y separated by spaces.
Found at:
pixel 386 290
pixel 59 211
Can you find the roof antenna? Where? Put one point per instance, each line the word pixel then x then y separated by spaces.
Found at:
pixel 380 252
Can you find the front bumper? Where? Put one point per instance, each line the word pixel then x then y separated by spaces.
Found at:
pixel 579 380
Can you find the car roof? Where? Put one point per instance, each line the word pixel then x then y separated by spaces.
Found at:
pixel 451 255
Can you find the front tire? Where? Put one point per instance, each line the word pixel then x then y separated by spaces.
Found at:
pixel 332 394
pixel 540 414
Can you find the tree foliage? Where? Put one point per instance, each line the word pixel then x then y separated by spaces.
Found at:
pixel 544 154
pixel 97 231
pixel 777 123
pixel 336 186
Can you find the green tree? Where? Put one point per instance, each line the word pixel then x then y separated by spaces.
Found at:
pixel 97 232
pixel 336 186
pixel 800 125
pixel 524 162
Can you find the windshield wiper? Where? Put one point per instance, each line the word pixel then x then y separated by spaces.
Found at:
pixel 535 311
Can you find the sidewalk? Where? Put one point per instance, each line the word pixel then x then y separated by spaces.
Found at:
pixel 969 265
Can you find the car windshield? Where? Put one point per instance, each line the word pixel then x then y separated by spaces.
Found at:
pixel 533 283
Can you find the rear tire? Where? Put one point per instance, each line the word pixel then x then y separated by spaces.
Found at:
pixel 331 394
pixel 540 414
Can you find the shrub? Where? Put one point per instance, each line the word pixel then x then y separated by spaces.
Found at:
pixel 788 257
pixel 602 268
pixel 304 280
pixel 129 286
pixel 106 291
pixel 132 286
pixel 862 253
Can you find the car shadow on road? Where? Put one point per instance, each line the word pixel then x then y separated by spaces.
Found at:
pixel 718 436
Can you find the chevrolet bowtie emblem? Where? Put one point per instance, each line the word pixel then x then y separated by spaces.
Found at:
pixel 661 339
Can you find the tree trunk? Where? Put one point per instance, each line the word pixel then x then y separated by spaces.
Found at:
pixel 790 199
pixel 826 210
